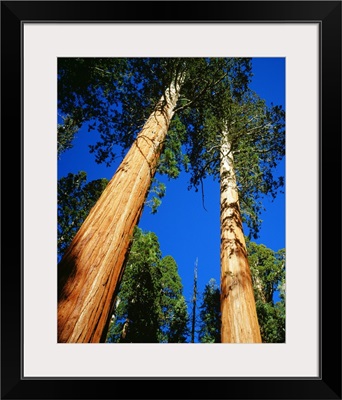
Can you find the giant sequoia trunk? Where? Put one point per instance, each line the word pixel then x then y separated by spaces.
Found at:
pixel 90 272
pixel 239 321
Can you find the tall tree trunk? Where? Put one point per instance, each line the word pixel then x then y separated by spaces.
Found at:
pixel 194 303
pixel 239 322
pixel 90 272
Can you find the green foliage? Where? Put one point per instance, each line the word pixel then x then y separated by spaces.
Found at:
pixel 267 268
pixel 76 197
pixel 87 90
pixel 174 308
pixel 65 134
pixel 210 314
pixel 173 160
pixel 151 301
pixel 156 193
pixel 140 290
pixel 272 321
pixel 268 275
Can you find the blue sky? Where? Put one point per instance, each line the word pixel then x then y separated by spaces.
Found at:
pixel 186 230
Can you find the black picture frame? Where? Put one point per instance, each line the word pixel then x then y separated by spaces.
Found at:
pixel 328 384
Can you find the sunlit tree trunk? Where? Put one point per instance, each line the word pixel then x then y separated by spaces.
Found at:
pixel 90 272
pixel 239 323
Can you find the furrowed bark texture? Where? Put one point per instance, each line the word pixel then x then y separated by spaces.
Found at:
pixel 239 321
pixel 90 272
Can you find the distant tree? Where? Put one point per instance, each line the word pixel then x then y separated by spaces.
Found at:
pixel 268 275
pixel 152 308
pixel 66 130
pixel 175 318
pixel 210 314
pixel 194 304
pixel 140 290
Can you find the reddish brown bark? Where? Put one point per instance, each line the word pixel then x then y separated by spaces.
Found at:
pixel 90 272
pixel 239 321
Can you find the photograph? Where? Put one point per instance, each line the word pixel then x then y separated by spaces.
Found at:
pixel 170 182
pixel 139 266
